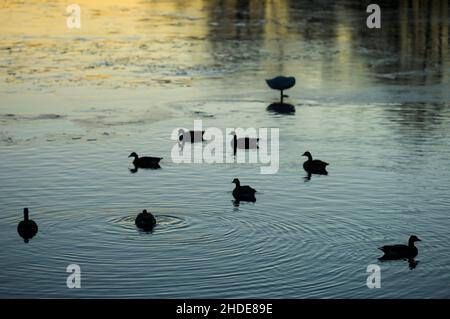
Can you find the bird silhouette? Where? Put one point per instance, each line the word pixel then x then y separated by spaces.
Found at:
pixel 190 136
pixel 146 161
pixel 393 252
pixel 145 221
pixel 243 193
pixel 281 83
pixel 243 142
pixel 314 166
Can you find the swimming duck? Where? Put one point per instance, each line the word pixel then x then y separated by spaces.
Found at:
pixel 400 251
pixel 145 221
pixel 192 136
pixel 27 228
pixel 243 193
pixel 281 83
pixel 314 166
pixel 243 142
pixel 145 162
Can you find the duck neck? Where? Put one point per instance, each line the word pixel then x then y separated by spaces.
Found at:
pixel 238 184
pixel 25 214
pixel 309 157
pixel 411 243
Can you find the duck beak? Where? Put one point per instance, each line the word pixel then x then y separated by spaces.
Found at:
pixel 303 154
pixel 419 239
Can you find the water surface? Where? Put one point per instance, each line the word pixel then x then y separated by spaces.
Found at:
pixel 373 103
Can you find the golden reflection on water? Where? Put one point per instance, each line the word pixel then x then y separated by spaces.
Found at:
pixel 140 43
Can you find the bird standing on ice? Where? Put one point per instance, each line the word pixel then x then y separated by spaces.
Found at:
pixel 281 83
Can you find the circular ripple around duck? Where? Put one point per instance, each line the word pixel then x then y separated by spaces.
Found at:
pixel 172 228
pixel 164 224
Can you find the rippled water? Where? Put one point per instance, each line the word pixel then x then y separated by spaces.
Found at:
pixel 375 106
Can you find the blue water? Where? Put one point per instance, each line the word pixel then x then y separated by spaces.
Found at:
pixel 382 124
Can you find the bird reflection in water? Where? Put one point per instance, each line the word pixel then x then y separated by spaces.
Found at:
pixel 136 168
pixel 281 108
pixel 307 178
pixel 237 203
pixel 27 228
pixel 413 263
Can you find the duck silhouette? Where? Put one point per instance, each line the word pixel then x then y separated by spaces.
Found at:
pixel 27 228
pixel 190 136
pixel 145 221
pixel 314 166
pixel 243 142
pixel 394 252
pixel 243 193
pixel 281 83
pixel 145 162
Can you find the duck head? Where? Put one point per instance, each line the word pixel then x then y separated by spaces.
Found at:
pixel 413 239
pixel 236 181
pixel 133 155
pixel 307 154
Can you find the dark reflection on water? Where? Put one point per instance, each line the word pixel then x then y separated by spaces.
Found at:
pixel 412 263
pixel 410 48
pixel 135 169
pixel 413 41
pixel 281 108
pixel 236 20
